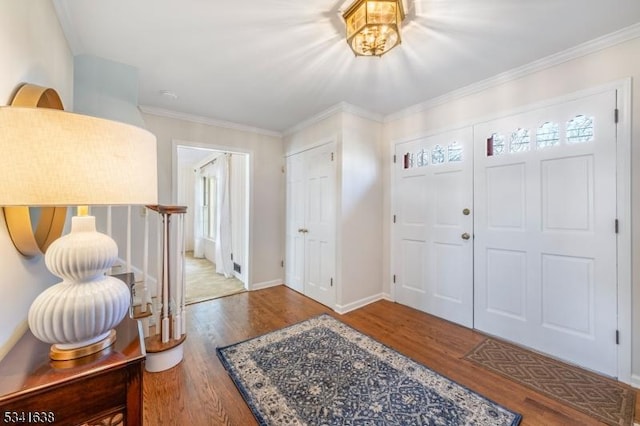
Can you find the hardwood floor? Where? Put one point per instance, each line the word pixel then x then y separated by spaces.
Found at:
pixel 198 391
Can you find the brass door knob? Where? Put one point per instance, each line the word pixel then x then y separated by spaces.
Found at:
pixel 465 236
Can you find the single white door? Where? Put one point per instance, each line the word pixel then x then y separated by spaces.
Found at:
pixel 433 244
pixel 319 229
pixel 295 220
pixel 545 241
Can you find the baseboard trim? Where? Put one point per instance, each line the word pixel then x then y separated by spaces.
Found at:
pixel 13 339
pixel 266 284
pixel 635 381
pixel 343 309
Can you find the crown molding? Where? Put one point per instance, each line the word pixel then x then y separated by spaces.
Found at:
pixel 361 112
pixel 161 112
pixel 592 46
pixel 340 107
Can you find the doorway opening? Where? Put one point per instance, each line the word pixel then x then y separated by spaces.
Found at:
pixel 214 185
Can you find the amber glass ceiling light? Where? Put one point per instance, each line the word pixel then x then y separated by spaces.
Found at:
pixel 373 26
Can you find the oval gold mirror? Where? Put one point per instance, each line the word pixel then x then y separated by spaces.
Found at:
pixel 50 220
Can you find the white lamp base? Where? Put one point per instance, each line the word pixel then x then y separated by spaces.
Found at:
pixel 78 314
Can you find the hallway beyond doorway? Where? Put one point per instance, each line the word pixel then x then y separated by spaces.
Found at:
pixel 203 283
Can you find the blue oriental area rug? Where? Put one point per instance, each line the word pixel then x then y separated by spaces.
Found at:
pixel 323 372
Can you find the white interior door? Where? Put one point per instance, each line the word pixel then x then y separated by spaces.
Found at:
pixel 433 244
pixel 545 242
pixel 311 224
pixel 295 221
pixel 320 224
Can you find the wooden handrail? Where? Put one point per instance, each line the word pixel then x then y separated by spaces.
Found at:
pixel 162 209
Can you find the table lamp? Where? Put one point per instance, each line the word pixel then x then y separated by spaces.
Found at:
pixel 52 158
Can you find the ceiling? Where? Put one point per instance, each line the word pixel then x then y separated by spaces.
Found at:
pixel 271 64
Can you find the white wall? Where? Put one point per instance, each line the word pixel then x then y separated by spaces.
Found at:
pixel 186 197
pixel 32 49
pixel 604 66
pixel 238 185
pixel 321 131
pixel 267 196
pixel 361 210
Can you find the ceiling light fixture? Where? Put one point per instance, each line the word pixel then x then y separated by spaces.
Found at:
pixel 373 26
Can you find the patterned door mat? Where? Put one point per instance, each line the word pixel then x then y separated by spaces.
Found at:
pixel 597 396
pixel 321 372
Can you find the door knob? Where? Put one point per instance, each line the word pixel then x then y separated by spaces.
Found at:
pixel 465 236
pixel 466 212
pixel 300 229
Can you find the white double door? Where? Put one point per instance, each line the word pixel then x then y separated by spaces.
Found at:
pixel 311 224
pixel 541 268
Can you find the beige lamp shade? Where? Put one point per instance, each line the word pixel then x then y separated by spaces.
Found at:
pixel 51 157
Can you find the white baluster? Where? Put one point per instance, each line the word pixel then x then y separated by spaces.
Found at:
pixel 145 263
pixel 177 328
pixel 183 280
pixel 165 281
pixel 159 258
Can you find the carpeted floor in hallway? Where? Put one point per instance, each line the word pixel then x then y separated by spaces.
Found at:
pixel 202 282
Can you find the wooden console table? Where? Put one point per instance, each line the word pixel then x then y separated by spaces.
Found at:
pixel 102 389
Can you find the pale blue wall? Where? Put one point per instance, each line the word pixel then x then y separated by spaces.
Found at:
pixel 107 89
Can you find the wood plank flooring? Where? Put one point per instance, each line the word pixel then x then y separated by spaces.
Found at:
pixel 198 391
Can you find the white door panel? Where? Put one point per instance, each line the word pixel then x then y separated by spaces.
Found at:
pixel 433 186
pixel 294 271
pixel 410 243
pixel 295 226
pixel 320 225
pixel 545 247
